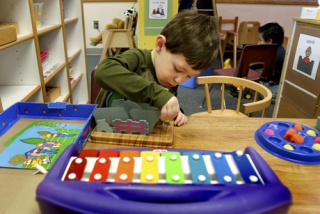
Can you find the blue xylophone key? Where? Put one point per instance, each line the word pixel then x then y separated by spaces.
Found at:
pixel 198 170
pixel 221 167
pixel 245 167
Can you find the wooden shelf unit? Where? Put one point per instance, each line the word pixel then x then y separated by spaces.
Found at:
pixel 23 75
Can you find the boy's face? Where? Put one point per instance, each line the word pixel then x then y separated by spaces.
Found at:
pixel 261 40
pixel 171 69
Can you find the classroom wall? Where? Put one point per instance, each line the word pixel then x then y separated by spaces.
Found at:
pixel 105 12
pixel 263 13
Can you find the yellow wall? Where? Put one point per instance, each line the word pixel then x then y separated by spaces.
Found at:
pixel 147 41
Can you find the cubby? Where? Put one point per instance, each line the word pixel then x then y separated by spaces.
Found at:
pixel 24 76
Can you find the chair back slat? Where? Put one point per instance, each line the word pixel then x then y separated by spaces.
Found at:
pixel 246 108
pixel 222 97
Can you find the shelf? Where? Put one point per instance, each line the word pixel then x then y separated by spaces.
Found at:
pixel 72 54
pixel 70 20
pixel 47 28
pixel 63 98
pixel 20 38
pixel 76 78
pixel 23 75
pixel 50 70
pixel 12 94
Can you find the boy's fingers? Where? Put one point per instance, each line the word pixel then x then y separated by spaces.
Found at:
pixel 163 114
pixel 167 115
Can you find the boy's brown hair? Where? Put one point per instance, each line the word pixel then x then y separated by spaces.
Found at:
pixel 195 36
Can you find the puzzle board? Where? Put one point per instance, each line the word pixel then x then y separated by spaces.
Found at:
pixel 32 141
pixel 161 136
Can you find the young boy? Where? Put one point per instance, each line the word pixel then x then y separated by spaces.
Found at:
pixel 273 33
pixel 187 46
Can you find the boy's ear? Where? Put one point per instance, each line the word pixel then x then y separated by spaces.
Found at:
pixel 160 42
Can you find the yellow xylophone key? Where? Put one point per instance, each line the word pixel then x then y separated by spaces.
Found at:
pixel 149 167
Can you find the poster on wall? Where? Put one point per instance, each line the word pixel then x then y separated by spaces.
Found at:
pixel 307 56
pixel 158 9
pixel 157 14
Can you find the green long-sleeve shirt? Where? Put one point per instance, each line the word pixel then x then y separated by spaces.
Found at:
pixel 132 75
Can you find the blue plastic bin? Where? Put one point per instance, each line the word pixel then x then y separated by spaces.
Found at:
pixel 58 111
pixel 192 82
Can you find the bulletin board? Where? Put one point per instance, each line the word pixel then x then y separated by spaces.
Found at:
pixel 299 87
pixel 153 16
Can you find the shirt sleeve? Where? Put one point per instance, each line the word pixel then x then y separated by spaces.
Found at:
pixel 129 76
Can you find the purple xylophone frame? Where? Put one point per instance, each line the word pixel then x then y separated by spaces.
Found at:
pixel 56 196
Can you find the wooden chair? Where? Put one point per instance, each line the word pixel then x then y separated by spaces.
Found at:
pixel 119 38
pixel 263 55
pixel 248 33
pixel 242 109
pixel 231 23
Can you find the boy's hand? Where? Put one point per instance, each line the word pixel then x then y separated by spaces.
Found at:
pixel 181 119
pixel 170 110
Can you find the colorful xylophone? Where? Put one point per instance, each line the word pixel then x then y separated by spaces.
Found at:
pixel 161 181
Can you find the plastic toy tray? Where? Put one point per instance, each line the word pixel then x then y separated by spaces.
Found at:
pixel 189 181
pixel 270 137
pixel 51 111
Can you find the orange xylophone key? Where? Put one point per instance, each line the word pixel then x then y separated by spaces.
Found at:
pixel 101 168
pixel 125 171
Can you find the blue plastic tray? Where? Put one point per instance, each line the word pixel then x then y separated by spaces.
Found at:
pixel 58 111
pixel 305 153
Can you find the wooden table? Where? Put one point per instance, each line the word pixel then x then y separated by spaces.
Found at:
pixel 205 133
pixel 228 134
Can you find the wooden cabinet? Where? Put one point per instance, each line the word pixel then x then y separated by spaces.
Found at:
pixel 24 74
pixel 299 89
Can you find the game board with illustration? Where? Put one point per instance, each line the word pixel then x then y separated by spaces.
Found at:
pixel 38 133
pixel 41 142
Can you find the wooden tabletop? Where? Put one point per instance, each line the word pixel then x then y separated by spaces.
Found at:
pixel 17 187
pixel 229 134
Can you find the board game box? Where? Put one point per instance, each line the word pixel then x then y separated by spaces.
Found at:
pixel 34 133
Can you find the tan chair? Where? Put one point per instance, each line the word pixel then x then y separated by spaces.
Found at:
pixel 248 33
pixel 243 109
pixel 231 24
pixel 119 38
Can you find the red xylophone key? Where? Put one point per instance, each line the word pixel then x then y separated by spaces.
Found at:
pixel 78 165
pixel 101 168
